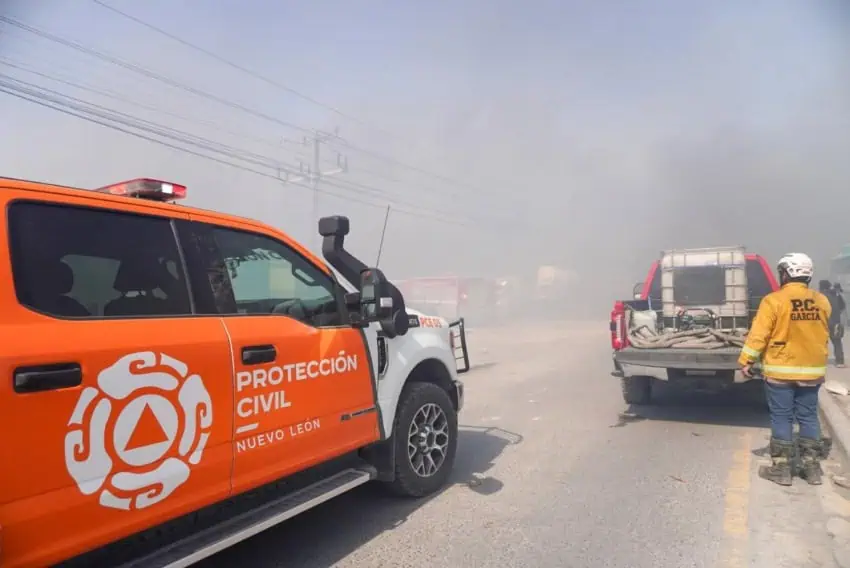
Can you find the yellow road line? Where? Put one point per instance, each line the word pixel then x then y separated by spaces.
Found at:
pixel 736 507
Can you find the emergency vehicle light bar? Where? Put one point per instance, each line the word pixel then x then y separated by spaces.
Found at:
pixel 143 188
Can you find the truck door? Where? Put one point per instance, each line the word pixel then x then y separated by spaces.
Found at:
pixel 304 386
pixel 116 402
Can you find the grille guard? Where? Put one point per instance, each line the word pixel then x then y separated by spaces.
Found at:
pixel 457 331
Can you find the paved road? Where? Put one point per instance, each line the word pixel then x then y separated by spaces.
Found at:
pixel 550 473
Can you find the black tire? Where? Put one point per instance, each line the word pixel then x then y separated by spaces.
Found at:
pixel 414 397
pixel 636 390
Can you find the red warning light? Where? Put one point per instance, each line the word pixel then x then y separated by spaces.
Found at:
pixel 144 188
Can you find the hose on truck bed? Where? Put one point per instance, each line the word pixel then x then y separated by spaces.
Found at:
pixel 700 338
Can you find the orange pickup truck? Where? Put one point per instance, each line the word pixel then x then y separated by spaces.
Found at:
pixel 178 380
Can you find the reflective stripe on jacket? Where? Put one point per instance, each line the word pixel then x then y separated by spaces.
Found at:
pixel 790 334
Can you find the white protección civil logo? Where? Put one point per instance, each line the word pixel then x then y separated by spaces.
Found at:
pixel 122 458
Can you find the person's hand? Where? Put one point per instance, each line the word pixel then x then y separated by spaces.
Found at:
pixel 747 370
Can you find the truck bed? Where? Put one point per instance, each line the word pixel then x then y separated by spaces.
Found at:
pixel 724 358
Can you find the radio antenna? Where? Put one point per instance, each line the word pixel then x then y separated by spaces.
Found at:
pixel 383 232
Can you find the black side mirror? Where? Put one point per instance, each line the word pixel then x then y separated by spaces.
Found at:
pixel 335 226
pixel 383 302
pixel 377 305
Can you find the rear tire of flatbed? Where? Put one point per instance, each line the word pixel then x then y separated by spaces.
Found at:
pixel 636 390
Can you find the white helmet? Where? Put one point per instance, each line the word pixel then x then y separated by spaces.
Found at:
pixel 796 265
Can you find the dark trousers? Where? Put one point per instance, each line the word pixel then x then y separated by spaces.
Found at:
pixel 789 402
pixel 838 348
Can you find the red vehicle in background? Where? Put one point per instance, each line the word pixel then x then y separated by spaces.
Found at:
pixel 452 297
pixel 732 290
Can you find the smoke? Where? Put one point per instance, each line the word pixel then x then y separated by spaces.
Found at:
pixel 585 135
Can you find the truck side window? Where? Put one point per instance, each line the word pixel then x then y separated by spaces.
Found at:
pixel 80 262
pixel 758 284
pixel 268 277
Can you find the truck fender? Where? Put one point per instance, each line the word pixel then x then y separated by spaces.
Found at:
pixel 381 455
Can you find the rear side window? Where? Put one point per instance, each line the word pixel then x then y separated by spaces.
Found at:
pixel 81 262
pixel 757 283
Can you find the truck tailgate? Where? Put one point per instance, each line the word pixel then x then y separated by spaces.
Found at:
pixel 691 359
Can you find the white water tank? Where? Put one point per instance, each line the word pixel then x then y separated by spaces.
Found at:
pixel 710 278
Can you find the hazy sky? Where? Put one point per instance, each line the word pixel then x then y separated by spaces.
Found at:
pixel 586 134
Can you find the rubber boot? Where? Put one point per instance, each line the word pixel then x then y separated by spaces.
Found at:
pixel 810 456
pixel 779 472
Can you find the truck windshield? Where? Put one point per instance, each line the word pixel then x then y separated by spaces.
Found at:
pixel 699 286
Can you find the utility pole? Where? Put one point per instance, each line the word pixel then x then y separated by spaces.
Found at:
pixel 313 173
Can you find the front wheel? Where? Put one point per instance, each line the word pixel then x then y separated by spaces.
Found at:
pixel 425 437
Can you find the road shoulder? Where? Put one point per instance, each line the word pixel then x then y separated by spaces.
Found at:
pixel 835 493
pixel 788 526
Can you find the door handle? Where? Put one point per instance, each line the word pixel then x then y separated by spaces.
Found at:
pixel 39 378
pixel 256 354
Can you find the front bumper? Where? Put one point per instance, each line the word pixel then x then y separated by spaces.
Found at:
pixel 459 393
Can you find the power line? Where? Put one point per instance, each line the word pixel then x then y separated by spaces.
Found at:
pixel 236 66
pixel 173 83
pixel 205 123
pixel 418 209
pixel 125 119
pixel 139 123
pixel 379 193
pixel 379 156
pixel 121 98
pixel 313 172
pixel 315 175
pixel 148 73
pixel 198 92
pixel 390 160
pixel 46 102
pixel 426 189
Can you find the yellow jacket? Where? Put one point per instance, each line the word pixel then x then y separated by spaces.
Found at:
pixel 790 334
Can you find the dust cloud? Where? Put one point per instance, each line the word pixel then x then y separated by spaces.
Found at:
pixel 503 136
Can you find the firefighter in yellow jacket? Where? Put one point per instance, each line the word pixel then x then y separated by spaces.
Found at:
pixel 789 335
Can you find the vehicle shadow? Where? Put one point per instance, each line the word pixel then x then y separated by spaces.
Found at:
pixel 741 405
pixel 325 535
